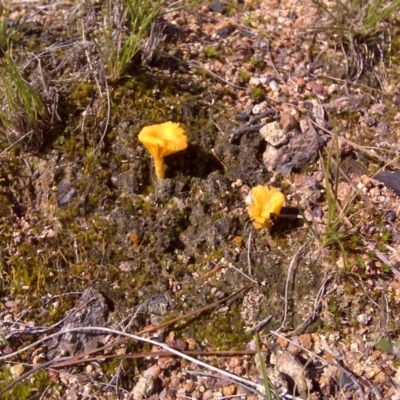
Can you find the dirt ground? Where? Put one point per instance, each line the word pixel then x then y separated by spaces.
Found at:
pixel 268 93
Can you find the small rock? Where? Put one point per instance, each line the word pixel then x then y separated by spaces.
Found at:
pixel 344 192
pixel 234 362
pixel 229 390
pixel 254 82
pixel 65 192
pixel 48 233
pixel 167 362
pixel 304 127
pixel 274 134
pixel 259 108
pixel 17 370
pixel 390 216
pixel 216 6
pixel 288 364
pixel 271 157
pixel 362 319
pixel 92 309
pixel 273 85
pixel 318 89
pixel 390 179
pixel 318 113
pixel 379 109
pixel 288 122
pixel 146 384
pixel 305 340
pixel 300 82
pixel 223 29
pixel 128 266
pixel 237 184
pixel 332 88
pixel 300 151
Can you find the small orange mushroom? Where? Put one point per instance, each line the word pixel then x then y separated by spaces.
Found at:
pixel 162 140
pixel 264 201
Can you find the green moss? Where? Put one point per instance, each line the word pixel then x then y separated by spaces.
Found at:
pixel 257 93
pixel 24 390
pixel 83 92
pixel 245 75
pixel 257 63
pixel 210 51
pixel 349 288
pixel 222 331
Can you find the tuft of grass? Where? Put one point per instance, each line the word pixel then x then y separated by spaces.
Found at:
pixel 22 110
pixel 7 31
pixel 360 26
pixel 358 18
pixel 333 220
pixel 336 217
pixel 125 25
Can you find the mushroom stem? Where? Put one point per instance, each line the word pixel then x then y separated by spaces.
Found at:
pixel 159 164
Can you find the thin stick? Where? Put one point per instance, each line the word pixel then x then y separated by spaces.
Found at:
pixel 13 144
pixel 146 330
pixel 96 329
pixel 249 127
pixel 107 119
pixel 289 275
pixel 248 253
pixel 242 273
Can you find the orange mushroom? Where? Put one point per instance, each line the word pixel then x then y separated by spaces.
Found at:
pixel 162 140
pixel 262 202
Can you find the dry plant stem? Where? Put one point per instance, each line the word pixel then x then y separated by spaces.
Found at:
pixel 207 375
pixel 77 359
pixel 17 141
pixel 293 264
pixel 108 116
pixel 36 330
pixel 336 365
pixel 146 330
pixel 380 255
pixel 160 326
pixel 165 347
pixel 242 273
pixel 249 127
pixel 248 254
pixel 152 354
pixel 261 324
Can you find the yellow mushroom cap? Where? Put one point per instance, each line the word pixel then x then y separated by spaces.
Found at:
pixel 162 140
pixel 264 201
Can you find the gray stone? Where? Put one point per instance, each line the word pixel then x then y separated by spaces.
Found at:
pixel 274 134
